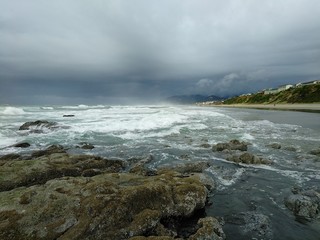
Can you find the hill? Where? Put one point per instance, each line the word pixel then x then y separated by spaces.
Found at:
pixel 299 94
pixel 189 99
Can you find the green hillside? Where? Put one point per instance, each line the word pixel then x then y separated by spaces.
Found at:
pixel 303 94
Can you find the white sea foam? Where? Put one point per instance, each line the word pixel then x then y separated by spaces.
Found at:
pixel 247 136
pixel 47 108
pixel 80 106
pixel 129 123
pixel 13 111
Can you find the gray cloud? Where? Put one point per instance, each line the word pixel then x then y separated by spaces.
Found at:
pixel 151 49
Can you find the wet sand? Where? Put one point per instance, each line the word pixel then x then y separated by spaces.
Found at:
pixel 309 107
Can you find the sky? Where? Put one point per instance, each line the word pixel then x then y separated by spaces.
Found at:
pixel 132 51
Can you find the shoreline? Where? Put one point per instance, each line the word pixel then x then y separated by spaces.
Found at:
pixel 303 107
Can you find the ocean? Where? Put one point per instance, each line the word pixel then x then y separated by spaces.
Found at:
pixel 177 134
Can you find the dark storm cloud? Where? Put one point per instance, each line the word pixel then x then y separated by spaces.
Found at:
pixel 95 50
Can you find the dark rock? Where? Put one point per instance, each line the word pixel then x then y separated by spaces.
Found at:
pixel 315 152
pixel 184 156
pixel 305 204
pixel 91 172
pixel 247 158
pixel 205 145
pixel 253 224
pixel 22 145
pixel 87 146
pixel 139 166
pixel 11 156
pixel 290 148
pixel 232 145
pixel 68 115
pixel 38 125
pixel 50 150
pixel 274 145
pixel 209 228
pixel 258 224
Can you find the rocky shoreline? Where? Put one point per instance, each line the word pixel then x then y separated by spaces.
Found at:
pixel 53 194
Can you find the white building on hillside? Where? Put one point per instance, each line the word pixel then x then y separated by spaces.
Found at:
pixel 307 83
pixel 277 90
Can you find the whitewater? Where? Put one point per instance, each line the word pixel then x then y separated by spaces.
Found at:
pixel 179 134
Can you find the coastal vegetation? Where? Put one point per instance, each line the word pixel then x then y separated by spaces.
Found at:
pixel 302 94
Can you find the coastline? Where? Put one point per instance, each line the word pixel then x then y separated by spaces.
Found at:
pixel 303 107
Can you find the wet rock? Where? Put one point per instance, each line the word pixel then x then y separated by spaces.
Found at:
pixel 205 145
pixel 274 145
pixel 290 148
pixel 184 156
pixel 8 157
pixel 232 145
pixel 68 115
pixel 315 152
pixel 50 150
pixel 305 204
pixel 188 169
pixel 22 145
pixel 106 206
pixel 144 221
pixel 52 163
pixel 38 125
pixel 247 158
pixel 139 166
pixel 87 146
pixel 253 224
pixel 209 229
pixel 208 182
pixel 197 226
pixel 154 238
pixel 257 224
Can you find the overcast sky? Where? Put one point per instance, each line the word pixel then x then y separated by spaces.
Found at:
pixel 97 51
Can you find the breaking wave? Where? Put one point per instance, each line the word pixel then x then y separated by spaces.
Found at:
pixel 13 111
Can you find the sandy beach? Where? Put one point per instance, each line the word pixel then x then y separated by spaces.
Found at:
pixel 312 107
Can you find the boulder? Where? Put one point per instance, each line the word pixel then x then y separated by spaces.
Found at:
pixel 38 125
pixel 138 165
pixel 191 167
pixel 247 158
pixel 22 145
pixel 87 146
pixel 274 145
pixel 205 145
pixel 232 145
pixel 252 224
pixel 50 150
pixel 315 152
pixel 210 229
pixel 105 206
pixel 290 148
pixel 9 157
pixel 305 204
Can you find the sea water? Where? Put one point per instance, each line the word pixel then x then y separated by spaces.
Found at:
pixel 175 135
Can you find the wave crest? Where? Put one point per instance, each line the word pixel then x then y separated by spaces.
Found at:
pixel 13 111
